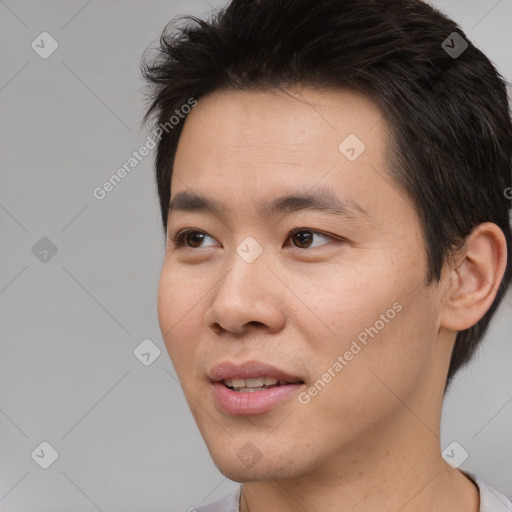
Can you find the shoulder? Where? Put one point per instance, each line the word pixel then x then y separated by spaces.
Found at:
pixel 491 500
pixel 227 504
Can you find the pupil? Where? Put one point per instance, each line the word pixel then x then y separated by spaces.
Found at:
pixel 195 235
pixel 304 237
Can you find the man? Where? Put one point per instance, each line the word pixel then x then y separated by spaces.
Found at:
pixel 337 220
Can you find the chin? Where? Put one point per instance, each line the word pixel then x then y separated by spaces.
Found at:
pixel 251 465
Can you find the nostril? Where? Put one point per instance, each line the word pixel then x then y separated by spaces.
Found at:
pixel 256 323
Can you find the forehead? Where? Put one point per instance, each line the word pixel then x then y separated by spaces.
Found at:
pixel 236 145
pixel 298 120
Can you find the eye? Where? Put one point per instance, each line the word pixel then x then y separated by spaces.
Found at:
pixel 302 238
pixel 183 237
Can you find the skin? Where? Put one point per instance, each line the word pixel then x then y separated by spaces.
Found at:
pixel 370 439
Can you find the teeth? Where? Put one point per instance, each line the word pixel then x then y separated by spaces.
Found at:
pixel 253 382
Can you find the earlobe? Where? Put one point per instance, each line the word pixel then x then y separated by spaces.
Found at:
pixel 475 277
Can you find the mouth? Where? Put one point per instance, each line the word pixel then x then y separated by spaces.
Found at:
pixel 251 375
pixel 252 387
pixel 254 384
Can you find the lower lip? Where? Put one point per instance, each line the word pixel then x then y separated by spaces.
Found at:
pixel 257 402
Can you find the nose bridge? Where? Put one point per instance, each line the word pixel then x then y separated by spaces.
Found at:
pixel 248 273
pixel 246 293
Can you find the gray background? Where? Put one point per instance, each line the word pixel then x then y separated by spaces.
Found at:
pixel 125 438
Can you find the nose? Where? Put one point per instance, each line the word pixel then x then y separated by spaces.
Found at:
pixel 248 296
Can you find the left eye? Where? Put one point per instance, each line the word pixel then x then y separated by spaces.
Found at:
pixel 304 237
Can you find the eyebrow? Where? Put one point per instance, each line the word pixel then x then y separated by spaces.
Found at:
pixel 322 200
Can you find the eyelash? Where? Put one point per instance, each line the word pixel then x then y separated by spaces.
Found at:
pixel 178 240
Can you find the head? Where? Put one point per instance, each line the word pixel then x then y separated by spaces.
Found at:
pixel 361 108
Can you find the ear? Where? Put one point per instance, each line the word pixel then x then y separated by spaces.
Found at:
pixel 475 277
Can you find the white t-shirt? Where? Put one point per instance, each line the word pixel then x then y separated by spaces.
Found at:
pixel 490 500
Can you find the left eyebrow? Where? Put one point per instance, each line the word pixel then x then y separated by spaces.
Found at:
pixel 322 200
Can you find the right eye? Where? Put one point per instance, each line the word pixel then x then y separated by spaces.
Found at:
pixel 195 237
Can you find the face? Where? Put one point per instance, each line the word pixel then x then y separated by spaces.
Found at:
pixel 323 294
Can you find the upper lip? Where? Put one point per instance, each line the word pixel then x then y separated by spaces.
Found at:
pixel 249 369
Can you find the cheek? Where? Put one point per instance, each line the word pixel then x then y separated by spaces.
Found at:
pixel 388 352
pixel 179 325
pixel 166 302
pixel 355 384
pixel 178 294
pixel 375 317
pixel 341 303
